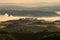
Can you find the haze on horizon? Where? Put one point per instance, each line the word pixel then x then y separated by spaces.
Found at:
pixel 28 1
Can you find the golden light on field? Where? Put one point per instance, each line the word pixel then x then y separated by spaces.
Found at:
pixel 49 18
pixel 58 13
pixel 6 17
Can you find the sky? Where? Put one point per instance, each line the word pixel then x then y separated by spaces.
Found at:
pixel 27 1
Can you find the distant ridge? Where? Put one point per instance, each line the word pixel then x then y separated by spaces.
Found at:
pixel 40 9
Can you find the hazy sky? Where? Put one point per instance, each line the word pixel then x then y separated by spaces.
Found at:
pixel 27 1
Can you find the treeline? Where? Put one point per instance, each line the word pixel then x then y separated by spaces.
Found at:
pixel 28 35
